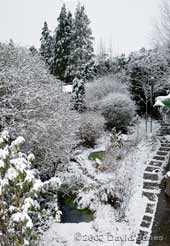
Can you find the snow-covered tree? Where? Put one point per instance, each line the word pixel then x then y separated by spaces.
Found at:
pixel 46 44
pixel 81 58
pixel 20 188
pixel 32 104
pixel 78 95
pixel 62 45
pixel 146 73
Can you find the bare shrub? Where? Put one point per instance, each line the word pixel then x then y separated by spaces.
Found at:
pixel 91 128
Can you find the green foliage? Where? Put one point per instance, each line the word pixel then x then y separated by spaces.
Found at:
pixel 100 155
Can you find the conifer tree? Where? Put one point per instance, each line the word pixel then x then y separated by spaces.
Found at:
pixel 81 57
pixel 46 44
pixel 62 45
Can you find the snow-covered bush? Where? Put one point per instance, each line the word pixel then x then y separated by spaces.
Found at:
pixel 118 110
pixel 78 95
pixel 101 88
pixel 20 188
pixel 32 104
pixel 91 128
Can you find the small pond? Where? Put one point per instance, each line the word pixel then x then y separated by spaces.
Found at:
pixel 70 212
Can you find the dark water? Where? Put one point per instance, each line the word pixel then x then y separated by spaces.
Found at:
pixel 70 213
pixel 161 227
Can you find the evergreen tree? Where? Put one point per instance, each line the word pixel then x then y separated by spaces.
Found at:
pixel 46 44
pixel 78 95
pixel 81 57
pixel 62 45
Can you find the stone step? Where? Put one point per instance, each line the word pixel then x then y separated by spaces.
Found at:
pixel 150 186
pixel 152 169
pixel 142 237
pixel 159 135
pixel 167 145
pixel 155 163
pixel 147 218
pixel 159 158
pixel 150 208
pixel 164 149
pixel 162 153
pixel 151 196
pixel 163 141
pixel 145 224
pixel 151 176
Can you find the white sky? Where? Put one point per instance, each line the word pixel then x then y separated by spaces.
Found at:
pixel 127 24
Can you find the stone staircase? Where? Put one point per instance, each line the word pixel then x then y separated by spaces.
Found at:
pixel 151 183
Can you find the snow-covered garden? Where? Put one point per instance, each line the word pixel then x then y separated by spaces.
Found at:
pixel 78 131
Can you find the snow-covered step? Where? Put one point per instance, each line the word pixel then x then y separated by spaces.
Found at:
pixel 167 145
pixel 150 185
pixel 150 208
pixel 151 196
pixel 155 163
pixel 151 176
pixel 147 218
pixel 164 149
pixel 145 224
pixel 152 169
pixel 159 158
pixel 162 153
pixel 156 191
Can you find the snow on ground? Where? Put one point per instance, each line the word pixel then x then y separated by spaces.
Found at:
pixel 68 88
pixel 105 230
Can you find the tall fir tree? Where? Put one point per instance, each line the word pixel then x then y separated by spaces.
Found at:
pixel 81 58
pixel 62 45
pixel 46 44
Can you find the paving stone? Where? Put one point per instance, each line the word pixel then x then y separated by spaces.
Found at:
pixel 164 149
pixel 155 163
pixel 150 208
pixel 151 169
pixel 147 218
pixel 162 153
pixel 151 196
pixel 145 224
pixel 150 186
pixel 151 176
pixel 142 236
pixel 159 158
pixel 167 145
pixel 159 135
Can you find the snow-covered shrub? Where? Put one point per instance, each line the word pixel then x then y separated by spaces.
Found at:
pixel 78 95
pixel 20 188
pixel 101 88
pixel 118 110
pixel 32 104
pixel 91 128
